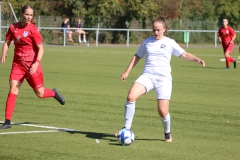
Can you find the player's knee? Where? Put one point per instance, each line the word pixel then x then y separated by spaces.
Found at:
pixel 163 113
pixel 14 90
pixel 227 54
pixel 131 97
pixel 39 94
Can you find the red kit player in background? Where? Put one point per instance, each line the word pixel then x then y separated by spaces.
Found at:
pixel 28 53
pixel 227 36
pixel 239 46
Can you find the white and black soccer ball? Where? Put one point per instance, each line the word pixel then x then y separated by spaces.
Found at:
pixel 125 137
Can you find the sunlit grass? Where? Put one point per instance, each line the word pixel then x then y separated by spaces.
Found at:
pixel 204 108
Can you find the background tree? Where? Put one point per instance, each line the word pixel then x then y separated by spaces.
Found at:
pixel 229 9
pixel 200 14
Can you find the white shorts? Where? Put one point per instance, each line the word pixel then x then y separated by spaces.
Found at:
pixel 162 85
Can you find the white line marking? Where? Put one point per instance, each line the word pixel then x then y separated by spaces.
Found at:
pixel 56 129
pixel 223 60
pixel 28 132
pixel 47 127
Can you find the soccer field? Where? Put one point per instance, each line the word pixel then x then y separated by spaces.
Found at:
pixel 204 109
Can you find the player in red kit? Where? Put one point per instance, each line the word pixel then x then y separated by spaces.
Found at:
pixel 28 53
pixel 239 46
pixel 227 36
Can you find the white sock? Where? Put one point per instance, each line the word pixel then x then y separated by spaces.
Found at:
pixel 166 121
pixel 128 114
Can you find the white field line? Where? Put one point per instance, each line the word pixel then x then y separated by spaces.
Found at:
pixel 47 127
pixel 28 132
pixel 53 129
pixel 237 59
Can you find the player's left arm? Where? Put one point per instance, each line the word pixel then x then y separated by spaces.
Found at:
pixel 37 39
pixel 233 35
pixel 233 38
pixel 239 46
pixel 219 36
pixel 191 57
pixel 40 52
pixel 39 58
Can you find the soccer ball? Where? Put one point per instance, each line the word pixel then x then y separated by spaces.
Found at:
pixel 125 137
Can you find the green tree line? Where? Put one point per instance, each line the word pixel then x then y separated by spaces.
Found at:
pixel 121 13
pixel 181 14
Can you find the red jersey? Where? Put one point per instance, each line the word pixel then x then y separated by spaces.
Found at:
pixel 26 39
pixel 226 34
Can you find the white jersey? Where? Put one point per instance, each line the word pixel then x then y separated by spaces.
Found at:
pixel 158 55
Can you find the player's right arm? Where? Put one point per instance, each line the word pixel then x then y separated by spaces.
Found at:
pixel 233 38
pixel 5 47
pixel 239 46
pixel 6 44
pixel 219 35
pixel 219 38
pixel 132 63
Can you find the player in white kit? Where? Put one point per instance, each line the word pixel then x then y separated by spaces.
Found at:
pixel 156 74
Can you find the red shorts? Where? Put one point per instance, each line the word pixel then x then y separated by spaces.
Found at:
pixel 20 70
pixel 228 48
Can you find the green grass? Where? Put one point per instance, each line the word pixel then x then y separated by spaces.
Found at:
pixel 204 109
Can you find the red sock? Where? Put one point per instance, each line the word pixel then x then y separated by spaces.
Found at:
pixel 48 93
pixel 10 105
pixel 231 59
pixel 227 61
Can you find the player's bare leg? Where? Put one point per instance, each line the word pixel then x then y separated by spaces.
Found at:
pixel 47 93
pixel 163 111
pixel 134 93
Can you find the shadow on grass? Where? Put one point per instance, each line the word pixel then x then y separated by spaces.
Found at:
pixel 93 135
pixel 106 136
